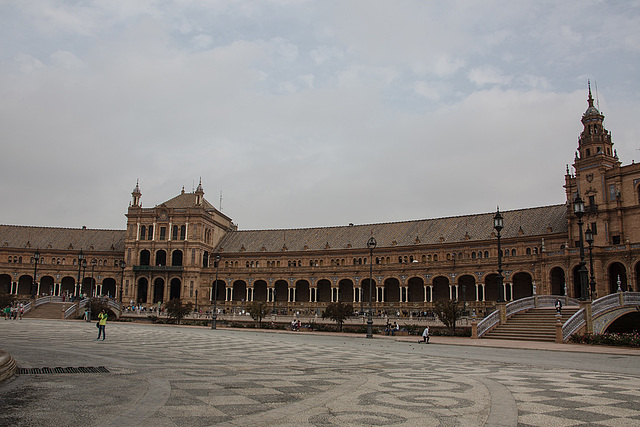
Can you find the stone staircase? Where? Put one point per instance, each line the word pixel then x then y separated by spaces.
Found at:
pixel 537 324
pixel 50 310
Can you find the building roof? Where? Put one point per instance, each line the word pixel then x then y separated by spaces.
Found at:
pixel 539 221
pixel 50 238
pixel 188 200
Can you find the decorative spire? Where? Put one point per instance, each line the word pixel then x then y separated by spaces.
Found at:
pixel 136 194
pixel 199 194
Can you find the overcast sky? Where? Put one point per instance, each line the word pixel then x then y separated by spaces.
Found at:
pixel 305 113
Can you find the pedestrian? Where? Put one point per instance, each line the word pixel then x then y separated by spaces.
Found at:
pixel 21 310
pixel 425 336
pixel 102 323
pixel 7 312
pixel 558 307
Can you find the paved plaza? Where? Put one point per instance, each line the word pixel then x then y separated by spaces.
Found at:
pixel 186 376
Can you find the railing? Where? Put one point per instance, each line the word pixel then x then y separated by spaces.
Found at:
pixel 488 322
pixel 114 305
pixel 158 268
pixel 71 311
pixel 631 298
pixel 550 300
pixel 605 303
pixel 573 325
pixel 520 305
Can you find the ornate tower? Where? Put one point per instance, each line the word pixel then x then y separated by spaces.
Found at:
pixel 136 194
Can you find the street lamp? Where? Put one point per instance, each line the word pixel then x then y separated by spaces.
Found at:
pixel 371 244
pixel 84 272
pixel 122 266
pixel 93 266
pixel 464 299
pixel 498 224
pixel 79 285
pixel 214 316
pixel 578 209
pixel 34 284
pixel 588 236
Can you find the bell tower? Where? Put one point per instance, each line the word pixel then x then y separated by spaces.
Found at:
pixel 136 194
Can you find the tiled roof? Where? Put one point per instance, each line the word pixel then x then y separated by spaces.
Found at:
pixel 188 200
pixel 539 221
pixel 43 238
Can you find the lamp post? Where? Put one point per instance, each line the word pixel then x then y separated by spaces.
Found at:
pixel 371 244
pixel 34 284
pixel 214 316
pixel 84 271
pixel 498 224
pixel 464 298
pixel 122 266
pixel 578 209
pixel 79 285
pixel 588 236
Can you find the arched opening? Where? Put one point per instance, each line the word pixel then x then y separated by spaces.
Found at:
pixel 577 287
pixel 522 285
pixel 302 291
pixel 364 285
pixel 145 257
pixel 466 288
pixel 176 258
pixel 441 288
pixel 219 291
pixel 324 290
pixel 557 281
pixel 68 285
pixel 282 290
pixel 259 290
pixel 161 257
pixel 345 291
pixel 88 287
pixel 5 284
pixel 24 285
pixel 109 287
pixel 626 323
pixel 239 290
pixel 638 277
pixel 416 289
pixel 491 288
pixel 617 273
pixel 143 287
pixel 392 290
pixel 174 289
pixel 46 285
pixel 158 290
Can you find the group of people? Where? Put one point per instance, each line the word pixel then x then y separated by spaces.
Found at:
pixel 13 311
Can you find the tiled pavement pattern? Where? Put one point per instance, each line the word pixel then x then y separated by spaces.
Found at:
pixel 171 376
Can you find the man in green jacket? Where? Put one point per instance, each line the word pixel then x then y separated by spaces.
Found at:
pixel 102 323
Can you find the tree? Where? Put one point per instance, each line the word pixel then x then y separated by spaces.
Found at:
pixel 258 310
pixel 448 312
pixel 176 310
pixel 338 311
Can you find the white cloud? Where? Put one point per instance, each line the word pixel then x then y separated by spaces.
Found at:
pixel 488 75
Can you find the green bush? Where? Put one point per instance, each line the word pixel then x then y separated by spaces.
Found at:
pixel 619 340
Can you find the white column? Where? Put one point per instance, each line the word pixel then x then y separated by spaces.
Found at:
pixel 170 231
pixel 186 231
pixel 154 231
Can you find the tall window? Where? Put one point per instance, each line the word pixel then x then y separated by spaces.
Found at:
pixel 150 236
pixel 174 235
pixel 143 232
pixel 183 232
pixel 163 233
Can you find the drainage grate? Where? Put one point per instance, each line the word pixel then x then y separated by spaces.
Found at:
pixel 59 370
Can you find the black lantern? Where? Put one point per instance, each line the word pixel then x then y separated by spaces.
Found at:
pixel 498 224
pixel 371 244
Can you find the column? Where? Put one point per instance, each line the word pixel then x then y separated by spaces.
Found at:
pixel 426 289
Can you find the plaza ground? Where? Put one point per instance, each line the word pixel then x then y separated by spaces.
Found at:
pixel 189 376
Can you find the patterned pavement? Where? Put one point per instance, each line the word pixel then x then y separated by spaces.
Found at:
pixel 186 376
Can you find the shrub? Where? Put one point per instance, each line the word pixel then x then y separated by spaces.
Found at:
pixel 619 340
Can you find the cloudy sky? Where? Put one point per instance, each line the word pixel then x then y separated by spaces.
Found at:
pixel 305 113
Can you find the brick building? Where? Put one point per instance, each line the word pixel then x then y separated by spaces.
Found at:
pixel 169 251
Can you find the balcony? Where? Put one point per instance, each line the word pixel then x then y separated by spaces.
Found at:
pixel 158 268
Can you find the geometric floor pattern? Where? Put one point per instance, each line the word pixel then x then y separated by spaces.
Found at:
pixel 183 376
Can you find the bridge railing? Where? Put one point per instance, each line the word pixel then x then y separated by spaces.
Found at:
pixel 71 311
pixel 574 324
pixel 488 322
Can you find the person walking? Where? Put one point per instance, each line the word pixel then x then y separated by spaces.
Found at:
pixel 558 307
pixel 102 323
pixel 425 336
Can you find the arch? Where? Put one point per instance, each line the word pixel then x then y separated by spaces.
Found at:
pixel 281 288
pixel 441 288
pixel 491 292
pixel 46 285
pixel 5 284
pixel 158 290
pixel 143 287
pixel 345 291
pixel 68 285
pixel 88 286
pixel 161 257
pixel 109 287
pixel 416 289
pixel 145 257
pixel 617 270
pixel 259 290
pixel 628 322
pixel 239 290
pixel 24 285
pixel 176 258
pixel 220 291
pixel 303 292
pixel 364 285
pixel 324 290
pixel 558 283
pixel 577 288
pixel 522 285
pixel 637 276
pixel 391 290
pixel 466 288
pixel 174 288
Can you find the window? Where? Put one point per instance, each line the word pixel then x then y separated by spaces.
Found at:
pixel 615 240
pixel 143 232
pixel 163 233
pixel 150 235
pixel 594 228
pixel 183 232
pixel 174 235
pixel 513 252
